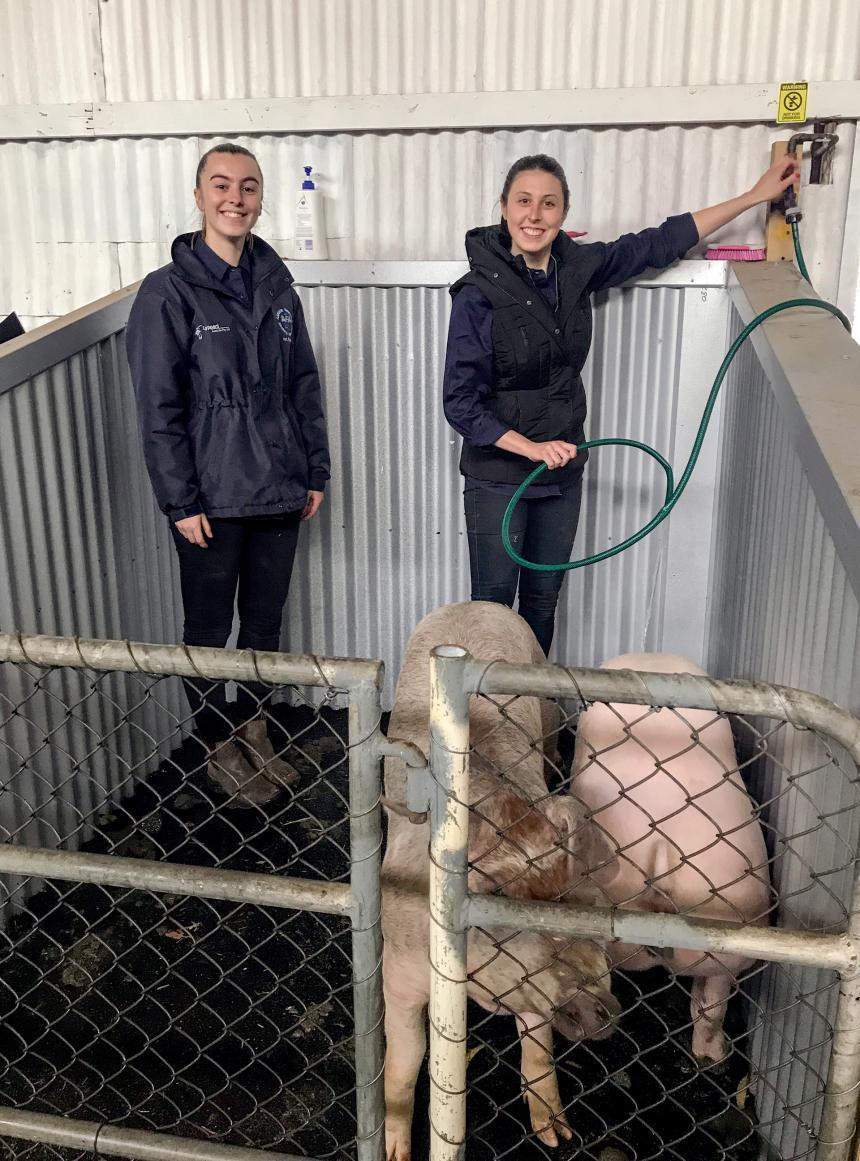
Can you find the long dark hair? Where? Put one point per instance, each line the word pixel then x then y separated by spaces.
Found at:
pixel 537 161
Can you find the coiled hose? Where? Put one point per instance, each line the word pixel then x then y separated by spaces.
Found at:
pixel 673 492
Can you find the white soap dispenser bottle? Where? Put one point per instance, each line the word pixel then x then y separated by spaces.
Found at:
pixel 309 237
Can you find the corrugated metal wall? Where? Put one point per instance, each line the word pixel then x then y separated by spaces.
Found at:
pixel 100 214
pixel 391 545
pixel 82 552
pixel 85 551
pixel 199 49
pixel 444 46
pixel 785 611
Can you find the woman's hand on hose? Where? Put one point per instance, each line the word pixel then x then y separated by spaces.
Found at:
pixel 555 453
pixel 195 529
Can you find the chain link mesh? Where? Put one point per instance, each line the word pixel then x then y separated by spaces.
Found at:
pixel 234 1023
pixel 641 1093
pixel 226 1022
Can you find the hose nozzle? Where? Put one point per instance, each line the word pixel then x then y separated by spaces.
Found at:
pixel 821 143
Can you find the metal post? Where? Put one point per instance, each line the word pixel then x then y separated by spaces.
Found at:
pixel 365 837
pixel 449 840
pixel 839 1114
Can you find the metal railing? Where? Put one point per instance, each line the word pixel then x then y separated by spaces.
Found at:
pixel 642 1091
pixel 176 958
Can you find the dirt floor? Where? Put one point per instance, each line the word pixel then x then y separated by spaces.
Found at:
pixel 233 1023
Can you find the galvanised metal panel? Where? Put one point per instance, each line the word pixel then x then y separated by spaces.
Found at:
pixel 390 544
pixel 631 380
pixel 390 541
pixel 200 49
pixel 83 551
pixel 783 610
pixel 48 52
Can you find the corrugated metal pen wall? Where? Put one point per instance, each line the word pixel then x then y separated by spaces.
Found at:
pixel 83 549
pixel 87 553
pixel 199 49
pixel 83 553
pixel 785 611
pixel 391 544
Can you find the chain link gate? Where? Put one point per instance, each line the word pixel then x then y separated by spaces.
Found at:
pixel 176 972
pixel 788 1085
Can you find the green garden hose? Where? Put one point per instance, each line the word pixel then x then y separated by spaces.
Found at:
pixel 798 253
pixel 673 493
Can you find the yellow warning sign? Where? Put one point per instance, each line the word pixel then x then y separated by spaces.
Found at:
pixel 792 103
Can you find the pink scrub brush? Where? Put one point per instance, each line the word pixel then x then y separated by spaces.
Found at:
pixel 735 254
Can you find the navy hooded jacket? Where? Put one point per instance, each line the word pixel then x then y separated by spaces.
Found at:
pixel 228 394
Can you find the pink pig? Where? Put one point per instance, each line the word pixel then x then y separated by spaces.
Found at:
pixel 664 787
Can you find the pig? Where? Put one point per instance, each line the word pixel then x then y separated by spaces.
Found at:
pixel 523 849
pixel 706 856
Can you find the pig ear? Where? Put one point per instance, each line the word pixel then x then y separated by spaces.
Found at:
pixel 594 848
pixel 593 852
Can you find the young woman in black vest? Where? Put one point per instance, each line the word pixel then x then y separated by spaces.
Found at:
pixel 519 335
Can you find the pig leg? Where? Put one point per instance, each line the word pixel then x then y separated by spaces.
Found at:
pixel 708 1003
pixel 539 1078
pixel 405 1044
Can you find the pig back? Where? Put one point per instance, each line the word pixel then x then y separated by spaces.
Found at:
pixel 664 786
pixel 491 632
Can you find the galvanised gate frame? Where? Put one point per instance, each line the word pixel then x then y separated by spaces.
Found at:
pixel 360 900
pixel 455 676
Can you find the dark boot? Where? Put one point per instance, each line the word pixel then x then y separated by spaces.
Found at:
pixel 261 754
pixel 232 772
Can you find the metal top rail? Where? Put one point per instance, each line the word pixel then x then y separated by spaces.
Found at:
pixel 682 690
pixel 192 661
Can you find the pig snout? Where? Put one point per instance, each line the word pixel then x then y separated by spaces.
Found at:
pixel 590 1014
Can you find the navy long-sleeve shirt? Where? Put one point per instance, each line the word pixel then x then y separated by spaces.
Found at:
pixel 469 357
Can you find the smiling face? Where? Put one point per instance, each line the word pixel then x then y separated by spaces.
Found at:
pixel 534 210
pixel 230 197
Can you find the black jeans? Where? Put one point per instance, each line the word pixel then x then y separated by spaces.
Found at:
pixel 541 530
pixel 256 556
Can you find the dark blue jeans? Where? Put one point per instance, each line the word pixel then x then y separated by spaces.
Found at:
pixel 541 530
pixel 254 556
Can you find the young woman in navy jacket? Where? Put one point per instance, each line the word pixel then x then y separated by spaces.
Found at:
pixel 519 335
pixel 235 443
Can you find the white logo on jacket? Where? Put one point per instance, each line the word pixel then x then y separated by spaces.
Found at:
pixel 285 322
pixel 209 328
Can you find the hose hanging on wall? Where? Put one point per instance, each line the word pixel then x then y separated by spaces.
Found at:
pixel 673 492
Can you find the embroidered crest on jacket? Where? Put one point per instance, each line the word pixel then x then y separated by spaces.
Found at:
pixel 285 322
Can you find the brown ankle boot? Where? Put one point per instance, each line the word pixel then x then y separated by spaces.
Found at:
pixel 233 773
pixel 261 754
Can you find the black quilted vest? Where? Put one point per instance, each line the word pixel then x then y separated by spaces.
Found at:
pixel 537 353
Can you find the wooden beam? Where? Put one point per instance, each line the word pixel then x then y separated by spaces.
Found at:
pixel 779 246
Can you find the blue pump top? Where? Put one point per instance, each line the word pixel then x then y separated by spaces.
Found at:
pixel 307 183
